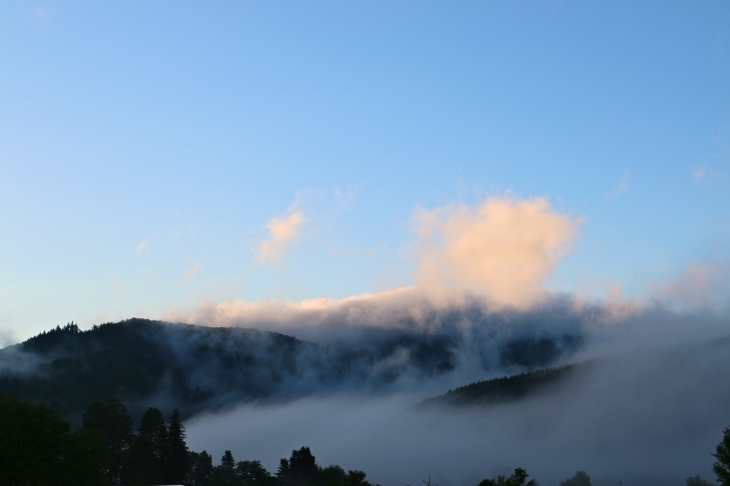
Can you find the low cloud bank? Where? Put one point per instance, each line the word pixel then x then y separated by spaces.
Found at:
pixel 650 411
pixel 642 417
pixel 406 309
pixel 394 341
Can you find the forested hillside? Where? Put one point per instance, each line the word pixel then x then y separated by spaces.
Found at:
pixel 193 368
pixel 506 389
pixel 68 369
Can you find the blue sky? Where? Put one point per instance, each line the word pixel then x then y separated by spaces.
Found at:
pixel 144 147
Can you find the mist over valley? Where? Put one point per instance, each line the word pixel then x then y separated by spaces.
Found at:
pixel 553 389
pixel 357 243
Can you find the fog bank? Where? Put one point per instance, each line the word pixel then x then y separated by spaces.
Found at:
pixel 651 410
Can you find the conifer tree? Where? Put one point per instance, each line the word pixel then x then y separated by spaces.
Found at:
pixel 227 460
pixel 201 469
pixel 178 454
pixel 721 467
pixel 300 469
pixel 225 474
pixel 149 454
pixel 112 421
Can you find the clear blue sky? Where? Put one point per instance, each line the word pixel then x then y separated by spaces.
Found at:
pixel 189 125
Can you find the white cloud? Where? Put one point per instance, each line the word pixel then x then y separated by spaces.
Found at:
pixel 505 247
pixel 283 232
pixel 699 174
pixel 315 208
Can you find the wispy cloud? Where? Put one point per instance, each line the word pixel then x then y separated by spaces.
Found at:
pixel 315 208
pixel 7 337
pixel 700 286
pixel 699 174
pixel 376 250
pixel 283 231
pixel 142 246
pixel 620 188
pixel 193 270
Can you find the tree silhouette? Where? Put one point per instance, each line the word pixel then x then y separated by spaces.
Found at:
pixel 283 470
pixel 518 478
pixel 721 467
pixel 177 462
pixel 333 476
pixel 36 447
pixel 149 452
pixel 112 420
pixel 153 430
pixel 696 481
pixel 300 469
pixel 357 478
pixel 225 474
pixel 336 476
pixel 581 478
pixel 252 473
pixel 201 469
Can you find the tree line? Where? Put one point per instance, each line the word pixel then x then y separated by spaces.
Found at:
pixel 38 448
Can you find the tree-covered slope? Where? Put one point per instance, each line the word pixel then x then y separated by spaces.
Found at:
pixel 191 365
pixel 197 367
pixel 506 389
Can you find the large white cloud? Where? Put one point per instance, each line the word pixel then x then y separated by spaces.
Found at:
pixel 498 253
pixel 504 247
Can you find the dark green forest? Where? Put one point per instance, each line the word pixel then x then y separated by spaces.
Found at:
pixel 506 389
pixel 137 358
pixel 38 448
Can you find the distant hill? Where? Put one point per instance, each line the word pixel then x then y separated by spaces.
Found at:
pixel 506 389
pixel 192 366
pixel 712 357
pixel 196 368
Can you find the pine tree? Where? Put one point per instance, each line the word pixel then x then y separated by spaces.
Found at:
pixel 112 420
pixel 178 454
pixel 201 469
pixel 252 473
pixel 300 469
pixel 721 467
pixel 150 451
pixel 225 474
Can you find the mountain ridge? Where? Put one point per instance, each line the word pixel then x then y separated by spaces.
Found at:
pixel 196 368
